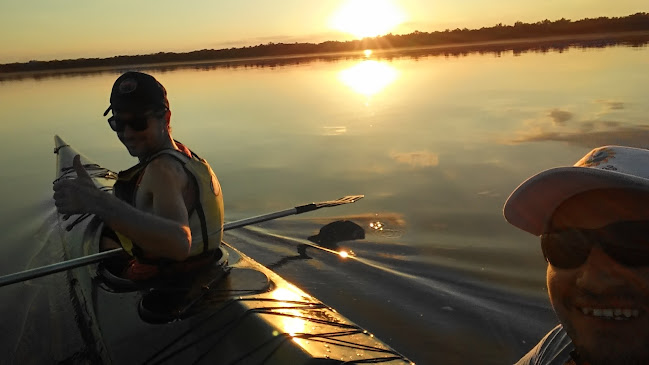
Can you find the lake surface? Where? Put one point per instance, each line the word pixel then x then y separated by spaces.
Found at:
pixel 435 143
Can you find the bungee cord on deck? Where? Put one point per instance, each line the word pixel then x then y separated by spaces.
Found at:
pixel 326 337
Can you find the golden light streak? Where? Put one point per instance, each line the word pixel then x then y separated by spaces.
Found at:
pixel 368 77
pixel 291 325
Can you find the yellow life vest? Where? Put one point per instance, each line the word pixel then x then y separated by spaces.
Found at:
pixel 205 221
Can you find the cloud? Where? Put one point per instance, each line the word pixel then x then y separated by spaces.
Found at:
pixel 585 127
pixel 287 38
pixel 489 194
pixel 612 124
pixel 591 132
pixel 334 130
pixel 629 135
pixel 278 38
pixel 560 117
pixel 416 159
pixel 612 104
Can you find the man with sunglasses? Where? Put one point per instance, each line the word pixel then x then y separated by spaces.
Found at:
pixel 593 221
pixel 166 211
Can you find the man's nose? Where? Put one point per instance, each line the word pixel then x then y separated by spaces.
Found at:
pixel 128 130
pixel 601 272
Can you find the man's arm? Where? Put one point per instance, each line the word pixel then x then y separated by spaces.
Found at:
pixel 163 232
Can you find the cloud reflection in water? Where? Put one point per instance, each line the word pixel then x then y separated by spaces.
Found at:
pixel 563 126
pixel 416 159
pixel 633 136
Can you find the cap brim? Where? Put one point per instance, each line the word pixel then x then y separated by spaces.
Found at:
pixel 133 108
pixel 532 203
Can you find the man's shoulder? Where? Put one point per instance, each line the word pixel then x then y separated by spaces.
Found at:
pixel 165 167
pixel 553 349
pixel 166 161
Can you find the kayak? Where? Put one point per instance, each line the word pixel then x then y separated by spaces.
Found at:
pixel 236 311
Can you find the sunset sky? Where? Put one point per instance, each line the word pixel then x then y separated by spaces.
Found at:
pixel 45 30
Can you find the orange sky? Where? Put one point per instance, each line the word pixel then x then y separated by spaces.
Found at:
pixel 44 30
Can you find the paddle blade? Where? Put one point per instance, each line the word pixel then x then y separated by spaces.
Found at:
pixel 330 203
pixel 344 200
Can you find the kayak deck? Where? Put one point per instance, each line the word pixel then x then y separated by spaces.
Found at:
pixel 250 316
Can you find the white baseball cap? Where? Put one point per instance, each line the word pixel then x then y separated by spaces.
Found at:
pixel 532 203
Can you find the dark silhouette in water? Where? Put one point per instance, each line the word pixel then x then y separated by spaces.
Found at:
pixel 328 237
pixel 338 231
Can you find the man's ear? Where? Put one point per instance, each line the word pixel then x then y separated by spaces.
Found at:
pixel 168 116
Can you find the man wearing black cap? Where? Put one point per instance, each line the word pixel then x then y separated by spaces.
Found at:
pixel 166 211
pixel 593 220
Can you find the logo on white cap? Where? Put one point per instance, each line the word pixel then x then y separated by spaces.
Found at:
pixel 596 157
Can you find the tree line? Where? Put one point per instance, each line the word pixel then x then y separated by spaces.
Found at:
pixel 499 32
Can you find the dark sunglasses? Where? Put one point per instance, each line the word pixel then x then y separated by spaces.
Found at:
pixel 138 122
pixel 626 242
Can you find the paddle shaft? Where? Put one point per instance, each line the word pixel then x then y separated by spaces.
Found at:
pixel 90 259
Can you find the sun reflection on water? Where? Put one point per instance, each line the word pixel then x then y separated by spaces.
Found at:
pixel 378 226
pixel 292 323
pixel 368 77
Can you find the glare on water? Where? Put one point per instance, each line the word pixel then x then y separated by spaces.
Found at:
pixel 369 77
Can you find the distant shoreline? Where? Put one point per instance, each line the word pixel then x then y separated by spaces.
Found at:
pixel 517 45
pixel 542 36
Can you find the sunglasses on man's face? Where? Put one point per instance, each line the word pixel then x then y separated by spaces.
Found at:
pixel 137 123
pixel 626 242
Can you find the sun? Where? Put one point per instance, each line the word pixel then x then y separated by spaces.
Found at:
pixel 367 18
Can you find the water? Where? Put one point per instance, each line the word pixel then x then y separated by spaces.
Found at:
pixel 436 143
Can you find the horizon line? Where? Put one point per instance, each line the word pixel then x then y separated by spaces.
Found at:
pixel 312 43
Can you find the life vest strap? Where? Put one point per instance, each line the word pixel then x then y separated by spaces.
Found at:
pixel 125 242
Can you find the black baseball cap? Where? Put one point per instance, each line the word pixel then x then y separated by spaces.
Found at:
pixel 137 92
